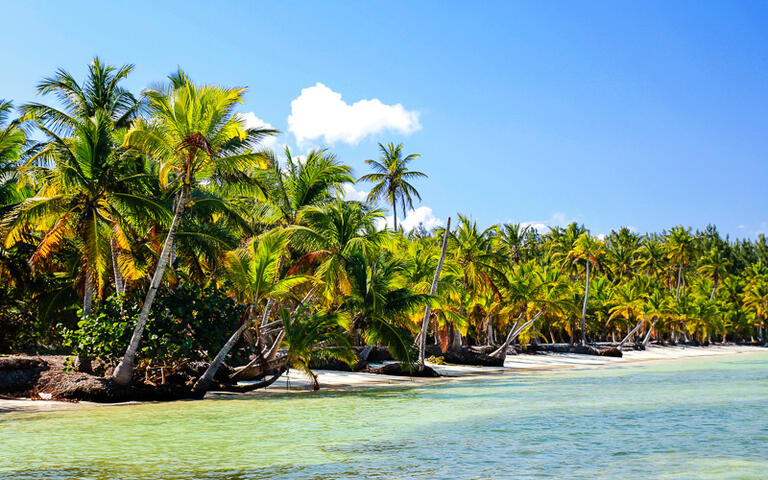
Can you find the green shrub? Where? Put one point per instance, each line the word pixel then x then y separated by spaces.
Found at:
pixel 187 324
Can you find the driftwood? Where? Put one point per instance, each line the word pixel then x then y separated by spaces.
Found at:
pixel 398 370
pixel 258 370
pixel 465 356
pixel 568 348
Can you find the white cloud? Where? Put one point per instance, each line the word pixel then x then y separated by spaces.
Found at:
pixel 538 226
pixel 350 193
pixel 250 120
pixel 742 227
pixel 420 216
pixel 320 112
pixel 600 236
pixel 557 219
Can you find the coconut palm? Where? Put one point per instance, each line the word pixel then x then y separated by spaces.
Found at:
pixel 680 248
pixel 195 135
pixel 379 307
pixel 590 250
pixel 312 335
pixel 81 198
pixel 253 273
pixel 714 266
pixel 101 90
pixel 755 298
pixel 13 140
pixel 329 235
pixel 392 178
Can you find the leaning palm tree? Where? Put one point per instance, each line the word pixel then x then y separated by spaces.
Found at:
pixel 590 250
pixel 254 275
pixel 196 136
pixel 392 178
pixel 715 265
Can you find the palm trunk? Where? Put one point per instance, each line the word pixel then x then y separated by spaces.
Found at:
pixel 204 381
pixel 514 332
pixel 432 291
pixel 584 307
pixel 119 283
pixel 394 212
pixel 630 334
pixel 679 279
pixel 87 297
pixel 648 335
pixel 124 370
pixel 714 289
pixel 83 359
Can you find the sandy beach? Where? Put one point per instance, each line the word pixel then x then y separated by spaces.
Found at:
pixel 331 380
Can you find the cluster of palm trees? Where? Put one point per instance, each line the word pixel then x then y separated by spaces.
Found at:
pixel 111 194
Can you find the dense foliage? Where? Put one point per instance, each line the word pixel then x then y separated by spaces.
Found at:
pixel 112 190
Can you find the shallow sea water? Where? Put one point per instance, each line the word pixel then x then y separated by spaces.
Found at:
pixel 694 418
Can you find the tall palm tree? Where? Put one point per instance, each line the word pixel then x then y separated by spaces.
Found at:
pixel 13 140
pixel 755 298
pixel 680 248
pixel 590 250
pixel 714 265
pixel 196 136
pixel 392 178
pixel 80 198
pixel 100 91
pixel 290 188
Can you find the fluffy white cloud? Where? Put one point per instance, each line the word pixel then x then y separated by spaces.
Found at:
pixel 320 112
pixel 538 226
pixel 419 216
pixel 350 193
pixel 600 236
pixel 250 120
pixel 557 219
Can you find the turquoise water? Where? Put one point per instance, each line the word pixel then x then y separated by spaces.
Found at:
pixel 695 418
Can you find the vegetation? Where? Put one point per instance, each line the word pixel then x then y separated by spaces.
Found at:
pixel 153 230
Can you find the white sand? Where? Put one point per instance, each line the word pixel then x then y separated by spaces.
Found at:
pixel 295 381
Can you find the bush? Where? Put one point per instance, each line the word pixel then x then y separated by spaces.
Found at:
pixel 187 324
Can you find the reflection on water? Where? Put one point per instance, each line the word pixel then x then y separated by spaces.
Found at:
pixel 702 418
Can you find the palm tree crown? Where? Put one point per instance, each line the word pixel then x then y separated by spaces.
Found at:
pixel 392 178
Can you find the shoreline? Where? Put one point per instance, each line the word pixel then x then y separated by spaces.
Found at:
pixel 337 381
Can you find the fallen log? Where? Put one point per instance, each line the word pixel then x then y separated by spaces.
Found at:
pixel 465 356
pixel 399 370
pixel 580 349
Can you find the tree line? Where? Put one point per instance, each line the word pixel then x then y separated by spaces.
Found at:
pixel 150 229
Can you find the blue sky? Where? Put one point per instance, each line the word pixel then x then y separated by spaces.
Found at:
pixel 642 114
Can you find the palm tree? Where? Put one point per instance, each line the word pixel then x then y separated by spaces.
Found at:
pixel 391 177
pixel 329 235
pixel 714 266
pixel 378 307
pixel 100 91
pixel 680 248
pixel 254 274
pixel 755 298
pixel 13 140
pixel 195 135
pixel 590 250
pixel 310 335
pixel 290 189
pixel 80 198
